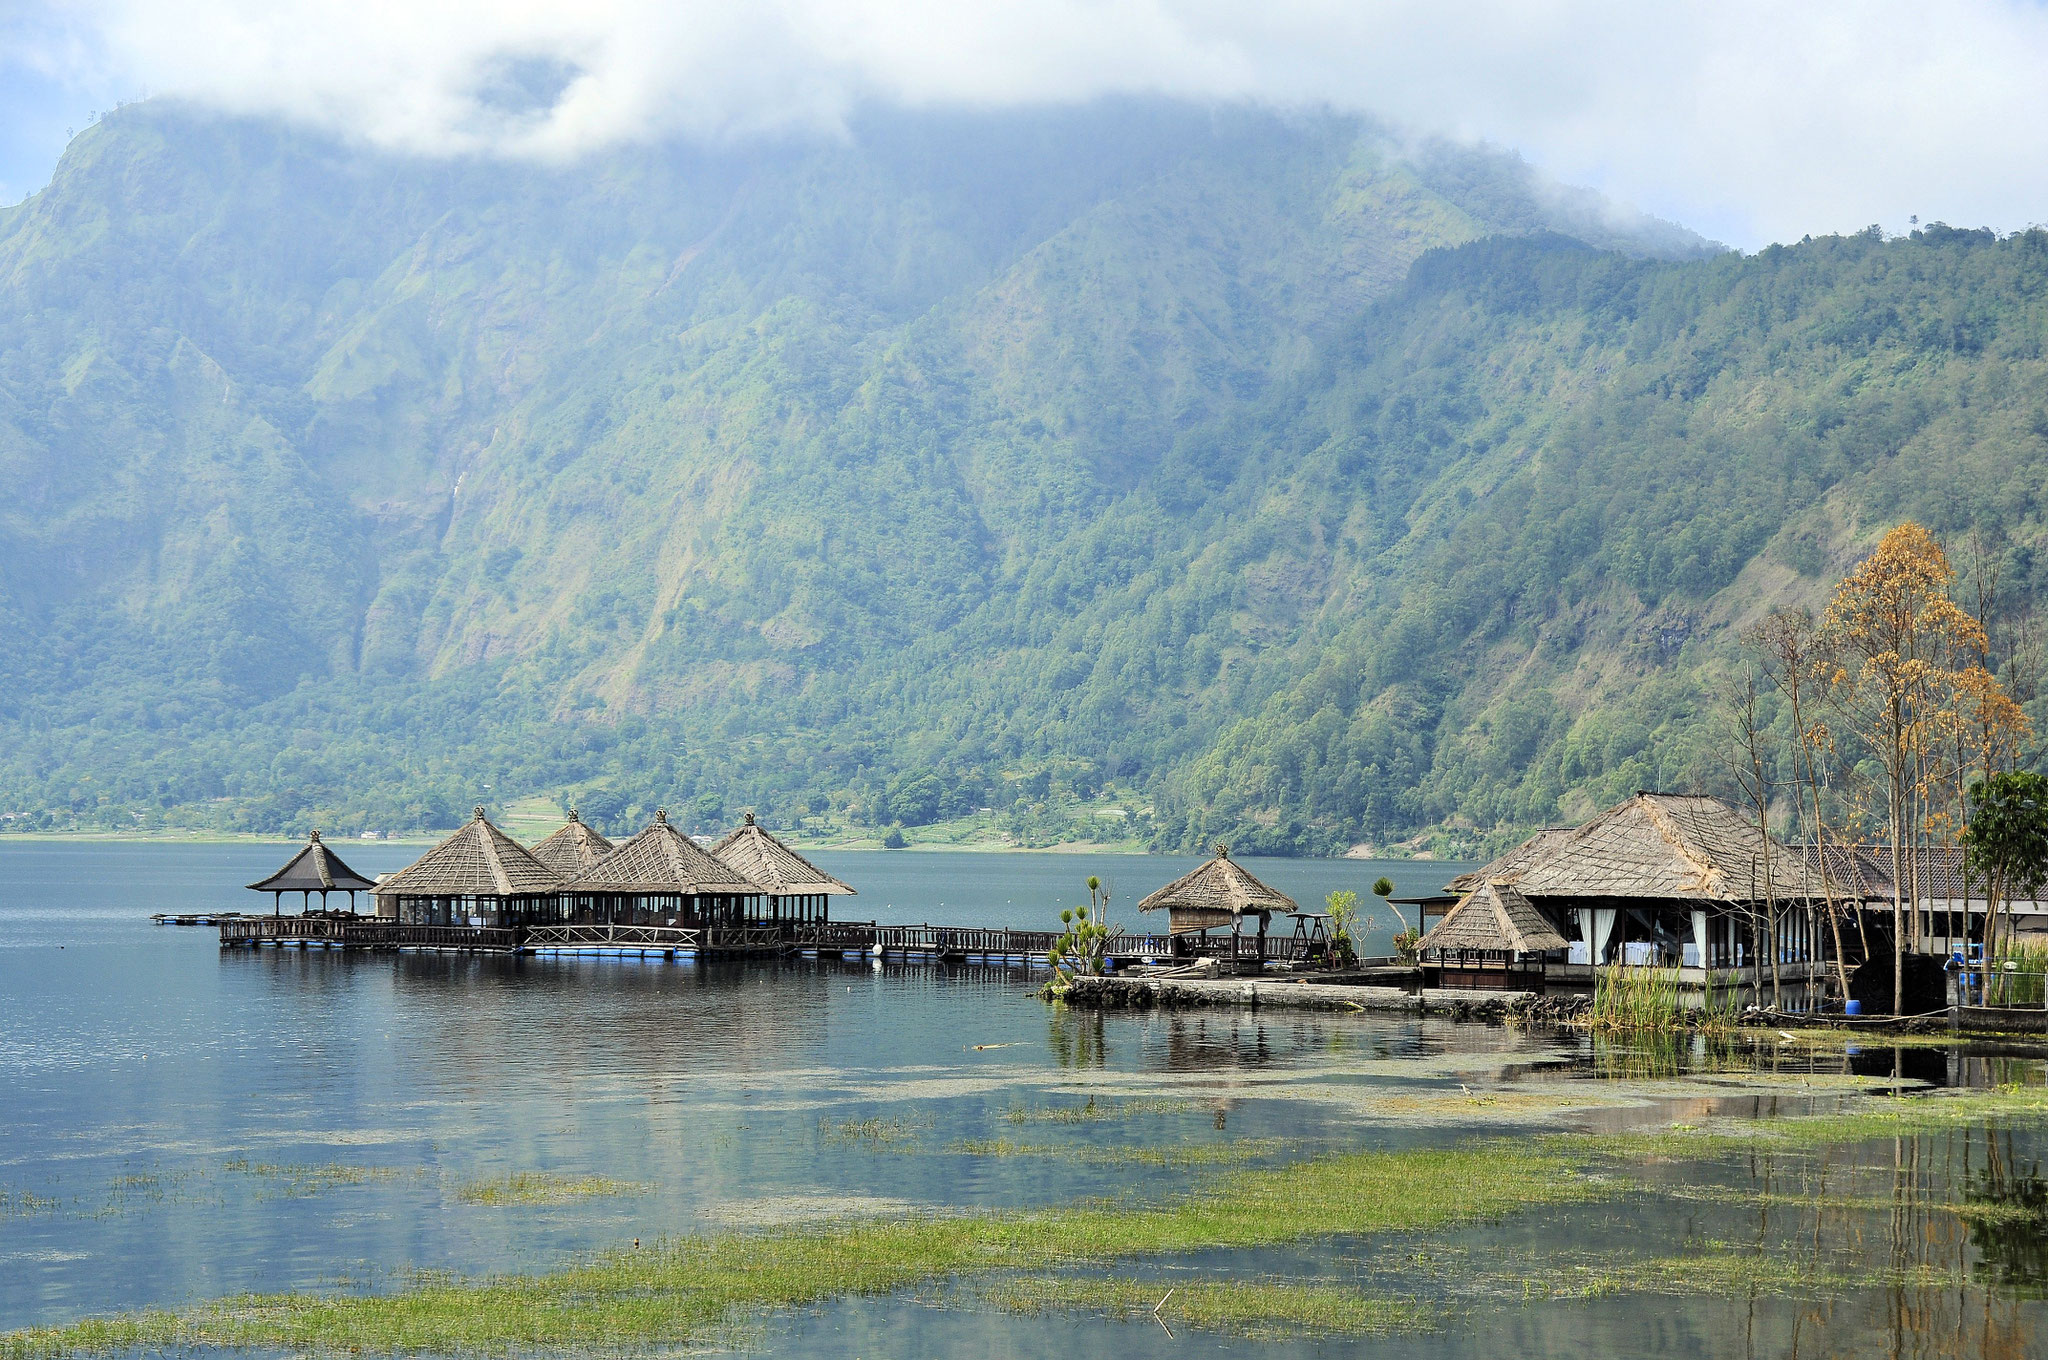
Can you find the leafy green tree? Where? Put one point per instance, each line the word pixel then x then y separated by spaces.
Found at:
pixel 2007 842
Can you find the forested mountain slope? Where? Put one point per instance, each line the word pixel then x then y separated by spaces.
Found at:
pixel 1311 491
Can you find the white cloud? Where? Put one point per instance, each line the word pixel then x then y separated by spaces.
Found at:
pixel 1750 121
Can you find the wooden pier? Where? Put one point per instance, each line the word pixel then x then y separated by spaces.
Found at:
pixel 810 939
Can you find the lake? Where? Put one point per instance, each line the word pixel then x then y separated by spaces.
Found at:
pixel 181 1123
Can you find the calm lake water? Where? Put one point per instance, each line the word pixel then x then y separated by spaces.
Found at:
pixel 179 1123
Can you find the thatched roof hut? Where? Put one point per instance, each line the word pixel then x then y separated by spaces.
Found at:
pixel 574 848
pixel 1219 893
pixel 314 869
pixel 1667 847
pixel 800 889
pixel 478 871
pixel 1493 918
pixel 660 860
pixel 1513 862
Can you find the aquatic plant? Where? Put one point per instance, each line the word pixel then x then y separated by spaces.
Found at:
pixel 1093 1109
pixel 298 1179
pixel 542 1187
pixel 1259 1309
pixel 872 1132
pixel 694 1289
pixel 1130 1154
pixel 1646 998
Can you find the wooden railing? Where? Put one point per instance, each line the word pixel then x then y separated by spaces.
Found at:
pixel 607 933
pixel 363 932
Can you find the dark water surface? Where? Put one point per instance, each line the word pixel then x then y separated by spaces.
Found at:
pixel 179 1123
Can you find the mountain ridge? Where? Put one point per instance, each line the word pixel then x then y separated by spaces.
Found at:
pixel 1018 460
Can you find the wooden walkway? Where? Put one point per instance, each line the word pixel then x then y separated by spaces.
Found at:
pixel 829 939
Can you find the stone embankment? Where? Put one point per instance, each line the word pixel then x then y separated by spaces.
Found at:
pixel 1138 993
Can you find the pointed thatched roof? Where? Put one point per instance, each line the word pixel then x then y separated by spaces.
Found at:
pixel 315 868
pixel 760 858
pixel 477 861
pixel 1513 862
pixel 1666 845
pixel 1494 916
pixel 661 859
pixel 1221 885
pixel 573 849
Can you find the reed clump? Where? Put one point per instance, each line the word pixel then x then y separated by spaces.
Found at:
pixel 1640 997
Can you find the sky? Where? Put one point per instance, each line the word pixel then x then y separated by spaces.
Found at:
pixel 1749 123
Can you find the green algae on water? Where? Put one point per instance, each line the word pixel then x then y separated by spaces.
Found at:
pixel 691 1290
pixel 1131 1154
pixel 542 1187
pixel 1259 1309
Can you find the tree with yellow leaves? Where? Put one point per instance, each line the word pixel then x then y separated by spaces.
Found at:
pixel 1900 638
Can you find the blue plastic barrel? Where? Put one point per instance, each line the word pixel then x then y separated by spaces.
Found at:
pixel 1852 1007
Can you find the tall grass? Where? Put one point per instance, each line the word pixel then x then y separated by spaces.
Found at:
pixel 1645 998
pixel 2019 985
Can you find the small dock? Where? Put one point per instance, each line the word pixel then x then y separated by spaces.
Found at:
pixel 805 939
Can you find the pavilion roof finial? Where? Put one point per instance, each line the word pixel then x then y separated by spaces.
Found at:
pixel 314 837
pixel 661 815
pixel 1222 850
pixel 479 812
pixel 750 819
pixel 573 817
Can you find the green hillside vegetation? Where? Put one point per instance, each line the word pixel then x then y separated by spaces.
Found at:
pixel 1229 475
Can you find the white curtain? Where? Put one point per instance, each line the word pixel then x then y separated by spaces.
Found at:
pixel 1699 939
pixel 1595 924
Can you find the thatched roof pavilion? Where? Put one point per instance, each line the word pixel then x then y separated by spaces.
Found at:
pixel 1493 919
pixel 1513 862
pixel 314 869
pixel 660 875
pixel 479 873
pixel 793 883
pixel 1219 893
pixel 1668 846
pixel 1680 876
pixel 574 848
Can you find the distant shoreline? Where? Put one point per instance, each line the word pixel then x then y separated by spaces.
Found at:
pixel 428 838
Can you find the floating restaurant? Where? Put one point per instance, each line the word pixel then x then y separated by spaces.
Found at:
pixel 660 877
pixel 477 877
pixel 796 889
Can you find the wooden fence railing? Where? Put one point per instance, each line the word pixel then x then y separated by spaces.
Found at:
pixel 363 932
pixel 606 933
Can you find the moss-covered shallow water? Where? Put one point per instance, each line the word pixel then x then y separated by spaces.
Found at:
pixel 291 1153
